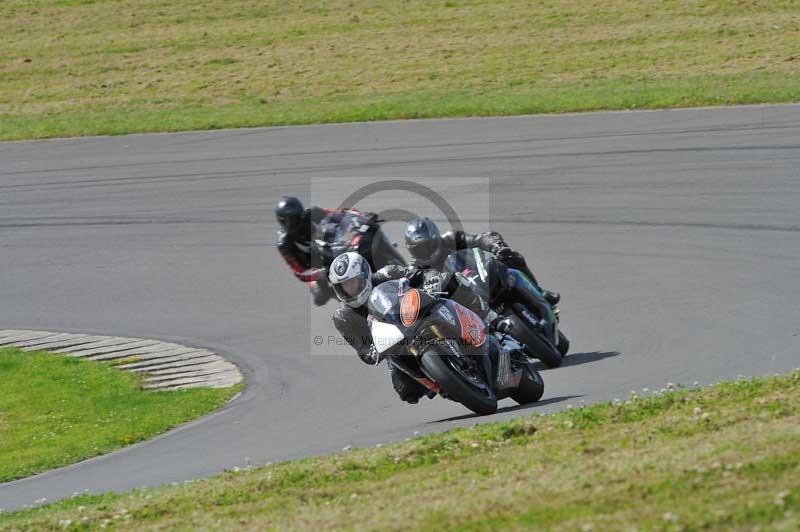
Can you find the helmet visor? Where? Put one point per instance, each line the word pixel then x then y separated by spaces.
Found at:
pixel 291 224
pixel 350 289
pixel 425 249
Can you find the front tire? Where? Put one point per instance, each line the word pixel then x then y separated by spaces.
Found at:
pixel 435 365
pixel 536 345
pixel 531 386
pixel 563 343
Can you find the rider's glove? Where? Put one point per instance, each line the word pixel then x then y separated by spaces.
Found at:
pixel 415 276
pixel 510 258
pixel 479 306
pixel 320 293
pixel 503 253
pixel 372 357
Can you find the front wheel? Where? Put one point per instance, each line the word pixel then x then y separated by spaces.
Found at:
pixel 535 344
pixel 531 386
pixel 563 343
pixel 439 367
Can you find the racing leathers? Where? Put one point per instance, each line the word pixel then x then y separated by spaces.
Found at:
pixel 297 251
pixel 490 241
pixel 352 325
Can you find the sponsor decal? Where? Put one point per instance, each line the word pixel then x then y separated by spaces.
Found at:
pixel 466 278
pixel 473 331
pixel 409 307
pixel 433 283
pixel 446 315
pixel 429 384
pixel 479 263
pixel 342 262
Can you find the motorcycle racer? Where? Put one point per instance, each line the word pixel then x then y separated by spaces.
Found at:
pixel 429 249
pixel 295 243
pixel 351 280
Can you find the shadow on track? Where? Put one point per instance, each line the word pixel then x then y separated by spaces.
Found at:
pixel 512 408
pixel 581 358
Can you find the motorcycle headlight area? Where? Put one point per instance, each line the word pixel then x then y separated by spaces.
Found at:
pixel 385 336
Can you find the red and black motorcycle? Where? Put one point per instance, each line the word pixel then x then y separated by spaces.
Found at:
pixel 350 230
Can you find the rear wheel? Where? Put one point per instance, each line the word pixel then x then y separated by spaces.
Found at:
pixel 439 367
pixel 531 386
pixel 535 344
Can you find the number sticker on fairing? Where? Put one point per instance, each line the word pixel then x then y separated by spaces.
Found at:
pixel 472 329
pixel 409 307
pixel 447 315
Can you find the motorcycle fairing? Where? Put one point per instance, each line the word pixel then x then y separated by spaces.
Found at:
pixel 473 330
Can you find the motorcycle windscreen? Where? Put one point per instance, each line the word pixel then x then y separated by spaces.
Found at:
pixel 476 270
pixel 333 235
pixel 384 302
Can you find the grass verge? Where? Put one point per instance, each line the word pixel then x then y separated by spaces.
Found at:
pixel 723 457
pixel 56 410
pixel 76 67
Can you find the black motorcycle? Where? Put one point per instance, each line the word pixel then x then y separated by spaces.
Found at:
pixel 340 232
pixel 446 347
pixel 479 272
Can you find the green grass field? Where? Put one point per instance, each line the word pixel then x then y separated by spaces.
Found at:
pixel 725 457
pixel 80 67
pixel 56 410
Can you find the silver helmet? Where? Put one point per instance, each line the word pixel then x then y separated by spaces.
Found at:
pixel 350 276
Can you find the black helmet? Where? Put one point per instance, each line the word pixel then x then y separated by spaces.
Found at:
pixel 423 239
pixel 289 212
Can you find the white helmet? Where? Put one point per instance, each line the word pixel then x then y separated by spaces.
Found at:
pixel 350 277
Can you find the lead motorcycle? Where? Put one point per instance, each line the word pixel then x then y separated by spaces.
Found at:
pixel 447 348
pixel 480 273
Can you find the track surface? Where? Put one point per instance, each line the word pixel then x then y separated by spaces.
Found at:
pixel 674 237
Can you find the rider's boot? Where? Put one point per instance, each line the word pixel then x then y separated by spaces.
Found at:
pixel 550 296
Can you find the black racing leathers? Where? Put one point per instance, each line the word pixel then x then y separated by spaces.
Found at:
pixel 352 325
pixel 352 322
pixel 490 241
pixel 296 248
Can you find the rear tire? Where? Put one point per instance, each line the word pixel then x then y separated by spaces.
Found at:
pixel 531 386
pixel 535 344
pixel 456 387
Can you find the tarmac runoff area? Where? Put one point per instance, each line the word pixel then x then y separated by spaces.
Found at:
pixel 165 365
pixel 673 237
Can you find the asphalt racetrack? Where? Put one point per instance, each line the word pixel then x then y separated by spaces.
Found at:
pixel 673 236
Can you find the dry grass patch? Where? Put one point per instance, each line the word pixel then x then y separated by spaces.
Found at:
pixel 75 67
